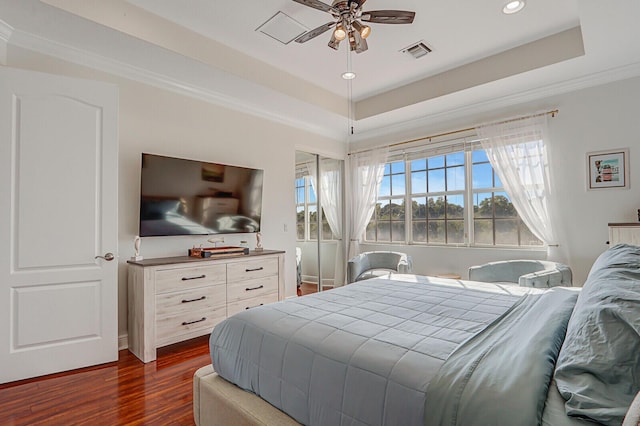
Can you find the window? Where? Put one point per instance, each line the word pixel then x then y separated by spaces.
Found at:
pixel 307 213
pixel 301 209
pixel 437 198
pixel 495 219
pixel 389 215
pixel 456 198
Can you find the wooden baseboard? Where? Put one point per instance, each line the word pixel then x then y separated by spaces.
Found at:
pixel 123 341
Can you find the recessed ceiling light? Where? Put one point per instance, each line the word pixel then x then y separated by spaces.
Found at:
pixel 349 75
pixel 513 7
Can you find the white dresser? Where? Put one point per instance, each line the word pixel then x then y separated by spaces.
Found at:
pixel 179 298
pixel 624 233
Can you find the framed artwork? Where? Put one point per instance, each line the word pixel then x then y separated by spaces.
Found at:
pixel 213 172
pixel 608 169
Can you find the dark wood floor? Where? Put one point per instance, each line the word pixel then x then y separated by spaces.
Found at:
pixel 124 392
pixel 309 288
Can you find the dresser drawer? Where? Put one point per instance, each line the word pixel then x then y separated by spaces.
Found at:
pixel 191 277
pixel 251 269
pixel 243 305
pixel 191 300
pixel 174 328
pixel 252 288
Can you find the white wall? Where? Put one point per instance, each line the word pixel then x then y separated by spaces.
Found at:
pixel 600 118
pixel 593 119
pixel 152 120
pixel 161 122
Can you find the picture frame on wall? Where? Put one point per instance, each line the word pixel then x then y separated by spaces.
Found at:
pixel 213 172
pixel 608 169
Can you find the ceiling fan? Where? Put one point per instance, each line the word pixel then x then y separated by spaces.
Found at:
pixel 347 17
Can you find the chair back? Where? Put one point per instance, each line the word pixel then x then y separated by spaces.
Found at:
pixel 530 273
pixel 358 266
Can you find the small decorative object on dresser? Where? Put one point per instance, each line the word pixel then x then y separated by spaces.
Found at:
pixel 136 246
pixel 258 241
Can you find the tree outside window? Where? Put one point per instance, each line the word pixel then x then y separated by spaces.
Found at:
pixel 307 213
pixel 435 187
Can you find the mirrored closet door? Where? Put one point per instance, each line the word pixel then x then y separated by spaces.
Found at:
pixel 319 222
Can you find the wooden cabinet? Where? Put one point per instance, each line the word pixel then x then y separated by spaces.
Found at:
pixel 251 284
pixel 624 233
pixel 179 298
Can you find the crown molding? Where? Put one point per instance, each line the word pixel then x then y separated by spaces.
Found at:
pixel 195 79
pixel 5 34
pixel 5 31
pixel 283 109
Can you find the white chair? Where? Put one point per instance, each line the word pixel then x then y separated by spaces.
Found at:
pixel 377 263
pixel 526 273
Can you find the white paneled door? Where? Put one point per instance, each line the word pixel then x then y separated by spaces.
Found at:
pixel 58 215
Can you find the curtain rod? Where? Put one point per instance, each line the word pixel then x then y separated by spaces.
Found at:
pixel 453 132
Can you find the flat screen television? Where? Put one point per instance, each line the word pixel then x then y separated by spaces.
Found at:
pixel 187 197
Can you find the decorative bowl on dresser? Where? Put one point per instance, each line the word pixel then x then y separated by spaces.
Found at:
pixel 178 298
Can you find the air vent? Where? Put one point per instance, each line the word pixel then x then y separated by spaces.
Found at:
pixel 282 27
pixel 417 50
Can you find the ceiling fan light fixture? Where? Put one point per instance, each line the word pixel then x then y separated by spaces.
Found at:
pixel 349 20
pixel 352 41
pixel 513 7
pixel 364 30
pixel 339 33
pixel 334 43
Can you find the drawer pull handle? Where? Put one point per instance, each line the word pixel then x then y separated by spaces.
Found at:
pixel 193 322
pixel 254 269
pixel 249 307
pixel 199 277
pixel 193 300
pixel 254 288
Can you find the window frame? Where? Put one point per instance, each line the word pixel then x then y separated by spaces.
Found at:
pixel 468 193
pixel 307 189
pixel 389 198
pixel 437 194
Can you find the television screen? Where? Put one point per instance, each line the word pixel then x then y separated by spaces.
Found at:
pixel 187 197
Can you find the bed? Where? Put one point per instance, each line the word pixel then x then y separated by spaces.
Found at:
pixel 407 349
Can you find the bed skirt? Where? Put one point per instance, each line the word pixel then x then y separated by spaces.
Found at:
pixel 218 402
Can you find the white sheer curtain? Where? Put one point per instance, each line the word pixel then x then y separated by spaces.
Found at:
pixel 365 175
pixel 331 201
pixel 518 153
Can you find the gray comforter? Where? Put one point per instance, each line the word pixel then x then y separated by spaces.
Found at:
pixel 477 384
pixel 360 354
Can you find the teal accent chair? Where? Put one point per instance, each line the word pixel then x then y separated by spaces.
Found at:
pixel 374 264
pixel 526 273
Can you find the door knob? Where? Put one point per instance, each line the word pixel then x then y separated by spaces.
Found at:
pixel 108 257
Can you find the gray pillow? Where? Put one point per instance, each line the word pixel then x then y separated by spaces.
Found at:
pixel 598 369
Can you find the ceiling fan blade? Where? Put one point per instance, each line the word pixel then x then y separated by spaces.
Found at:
pixel 388 16
pixel 315 32
pixel 317 4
